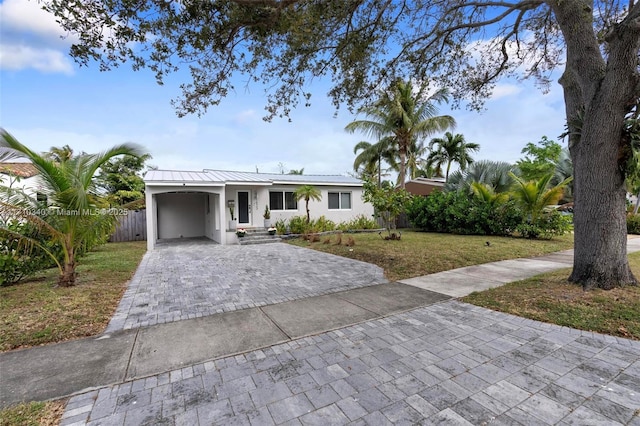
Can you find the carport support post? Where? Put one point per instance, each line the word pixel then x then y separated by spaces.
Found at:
pixel 152 217
pixel 222 217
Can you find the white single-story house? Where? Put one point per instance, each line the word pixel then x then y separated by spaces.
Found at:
pixel 188 204
pixel 22 176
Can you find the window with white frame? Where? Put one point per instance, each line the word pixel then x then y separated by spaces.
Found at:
pixel 282 200
pixel 339 201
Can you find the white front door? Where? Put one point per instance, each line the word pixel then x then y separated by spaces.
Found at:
pixel 244 207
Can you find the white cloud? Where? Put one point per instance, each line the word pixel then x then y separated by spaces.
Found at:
pixel 23 15
pixel 245 116
pixel 504 90
pixel 32 39
pixel 19 56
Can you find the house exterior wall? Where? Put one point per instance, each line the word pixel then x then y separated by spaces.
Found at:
pixel 31 186
pixel 255 204
pixel 203 210
pixel 317 208
pixel 212 217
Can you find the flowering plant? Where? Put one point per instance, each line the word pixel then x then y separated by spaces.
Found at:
pixel 241 232
pixel 272 231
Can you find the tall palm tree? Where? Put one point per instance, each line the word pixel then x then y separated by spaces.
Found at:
pixel 371 157
pixel 308 192
pixel 59 154
pixel 415 158
pixel 70 189
pixel 405 117
pixel 451 149
pixel 533 196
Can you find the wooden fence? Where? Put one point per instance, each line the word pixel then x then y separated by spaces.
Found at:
pixel 131 227
pixel 401 221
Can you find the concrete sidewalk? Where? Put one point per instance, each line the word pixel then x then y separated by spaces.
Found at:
pixel 63 369
pixel 75 367
pixel 463 281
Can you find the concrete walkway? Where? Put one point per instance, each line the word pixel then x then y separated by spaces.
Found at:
pixel 384 362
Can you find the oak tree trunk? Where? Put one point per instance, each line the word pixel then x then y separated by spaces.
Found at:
pixel 600 258
pixel 599 91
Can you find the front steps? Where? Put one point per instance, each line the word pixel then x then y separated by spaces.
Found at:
pixel 258 236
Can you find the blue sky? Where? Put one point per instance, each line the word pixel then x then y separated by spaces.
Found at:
pixel 47 100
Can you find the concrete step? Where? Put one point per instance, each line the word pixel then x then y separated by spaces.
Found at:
pixel 259 240
pixel 258 236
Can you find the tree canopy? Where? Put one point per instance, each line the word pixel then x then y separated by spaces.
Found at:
pixel 362 45
pixel 403 118
pixel 359 44
pixel 540 159
pixel 451 149
pixel 74 219
pixel 120 178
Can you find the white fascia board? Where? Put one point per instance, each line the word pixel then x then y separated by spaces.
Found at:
pixel 181 184
pixel 245 183
pixel 288 182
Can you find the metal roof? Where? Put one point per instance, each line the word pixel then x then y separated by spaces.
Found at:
pixel 224 176
pixel 176 176
pixel 312 179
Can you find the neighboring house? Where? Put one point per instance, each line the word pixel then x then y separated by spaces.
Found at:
pixel 184 204
pixel 424 186
pixel 21 176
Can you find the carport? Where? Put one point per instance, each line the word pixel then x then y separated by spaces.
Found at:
pixel 188 209
pixel 181 214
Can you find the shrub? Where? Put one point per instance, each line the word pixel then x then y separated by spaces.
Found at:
pixel 298 225
pixel 359 222
pixel 633 224
pixel 18 261
pixel 546 226
pixel 321 224
pixel 459 213
pixel 281 226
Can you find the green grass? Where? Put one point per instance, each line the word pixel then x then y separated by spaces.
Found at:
pixel 422 253
pixel 36 311
pixel 33 414
pixel 551 298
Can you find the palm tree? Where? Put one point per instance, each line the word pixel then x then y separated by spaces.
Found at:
pixel 533 196
pixel 451 149
pixel 415 159
pixel 564 170
pixel 70 189
pixel 372 156
pixel 308 192
pixel 494 174
pixel 404 117
pixel 487 194
pixel 59 154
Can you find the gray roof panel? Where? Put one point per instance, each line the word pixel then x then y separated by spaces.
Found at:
pixel 224 176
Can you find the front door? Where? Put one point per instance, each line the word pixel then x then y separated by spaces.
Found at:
pixel 244 207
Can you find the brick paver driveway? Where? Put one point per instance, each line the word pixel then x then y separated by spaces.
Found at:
pixel 193 278
pixel 446 364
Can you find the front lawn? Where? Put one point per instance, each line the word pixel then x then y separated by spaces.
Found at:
pixel 422 253
pixel 36 311
pixel 34 414
pixel 551 298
